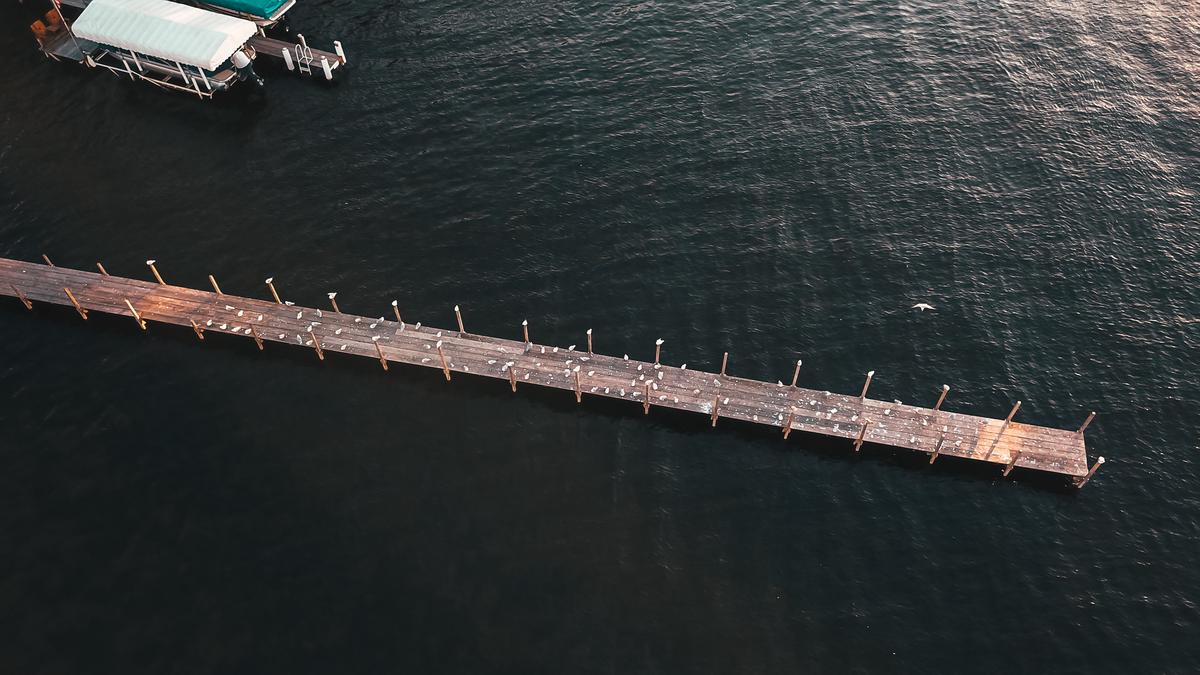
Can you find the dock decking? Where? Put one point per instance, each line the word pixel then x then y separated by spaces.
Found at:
pixel 856 419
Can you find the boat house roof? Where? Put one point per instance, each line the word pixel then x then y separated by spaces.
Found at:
pixel 164 29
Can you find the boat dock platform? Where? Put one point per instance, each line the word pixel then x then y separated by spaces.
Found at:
pixel 858 420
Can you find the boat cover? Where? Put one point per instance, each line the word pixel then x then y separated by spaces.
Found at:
pixel 263 8
pixel 164 29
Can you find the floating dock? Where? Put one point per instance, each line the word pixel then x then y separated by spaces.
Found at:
pixel 390 339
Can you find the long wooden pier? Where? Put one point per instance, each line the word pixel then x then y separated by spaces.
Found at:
pixel 1006 443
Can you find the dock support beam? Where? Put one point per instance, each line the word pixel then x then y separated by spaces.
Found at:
pixel 154 271
pixel 257 339
pixel 937 448
pixel 862 433
pixel 578 389
pixel 512 379
pixel 136 317
pixel 1012 462
pixel 866 385
pixel 317 343
pixel 945 390
pixel 1003 428
pixel 379 351
pixel 716 406
pixel 646 403
pixel 1083 481
pixel 1091 416
pixel 78 308
pixel 787 425
pixel 445 365
pixel 271 285
pixel 21 296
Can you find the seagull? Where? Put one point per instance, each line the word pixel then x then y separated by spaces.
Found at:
pixel 922 306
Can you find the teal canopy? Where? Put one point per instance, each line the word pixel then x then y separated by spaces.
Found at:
pixel 263 8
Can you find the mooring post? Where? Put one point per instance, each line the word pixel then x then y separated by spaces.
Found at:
pixel 578 389
pixel 862 433
pixel 1090 417
pixel 271 285
pixel 525 330
pixel 78 308
pixel 945 390
pixel 199 331
pixel 787 425
pixel 154 271
pixel 333 301
pixel 1003 428
pixel 101 268
pixel 396 309
pixel 379 351
pixel 257 338
pixel 317 343
pixel 1012 462
pixel 212 280
pixel 716 405
pixel 937 448
pixel 657 350
pixel 47 259
pixel 445 365
pixel 1083 481
pixel 863 395
pixel 21 296
pixel 646 403
pixel 796 373
pixel 458 317
pixel 136 317
pixel 724 362
pixel 512 379
pixel 589 335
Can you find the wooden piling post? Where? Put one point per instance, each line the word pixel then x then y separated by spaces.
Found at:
pixel 1091 416
pixel 379 351
pixel 21 296
pixel 1083 481
pixel 199 331
pixel 458 317
pixel 945 390
pixel 271 285
pixel 716 405
pixel 862 433
pixel 212 280
pixel 937 448
pixel 796 373
pixel 512 379
pixel 333 301
pixel 646 403
pixel 787 424
pixel 724 362
pixel 317 343
pixel 445 365
pixel 396 309
pixel 101 268
pixel 1003 428
pixel 589 336
pixel 578 389
pixel 257 338
pixel 525 330
pixel 78 308
pixel 154 271
pixel 863 395
pixel 47 259
pixel 1012 462
pixel 136 317
pixel 657 350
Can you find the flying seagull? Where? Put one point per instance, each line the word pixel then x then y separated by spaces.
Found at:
pixel 922 306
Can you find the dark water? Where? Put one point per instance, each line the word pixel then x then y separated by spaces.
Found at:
pixel 782 180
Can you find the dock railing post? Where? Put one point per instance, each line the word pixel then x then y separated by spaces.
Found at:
pixel 396 309
pixel 216 287
pixel 136 317
pixel 333 301
pixel 796 373
pixel 21 296
pixel 1083 481
pixel 862 433
pixel 154 271
pixel 866 385
pixel 379 351
pixel 101 268
pixel 271 285
pixel 78 308
pixel 445 365
pixel 1091 416
pixel 945 390
pixel 657 350
pixel 257 339
pixel 589 336
pixel 199 331
pixel 724 362
pixel 458 318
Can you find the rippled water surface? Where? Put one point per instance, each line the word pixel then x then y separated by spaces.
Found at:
pixel 778 179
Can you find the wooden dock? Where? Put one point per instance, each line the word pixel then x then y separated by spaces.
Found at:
pixel 856 419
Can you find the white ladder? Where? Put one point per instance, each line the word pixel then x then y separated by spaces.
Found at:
pixel 304 56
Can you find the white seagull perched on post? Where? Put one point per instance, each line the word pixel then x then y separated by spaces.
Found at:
pixel 922 306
